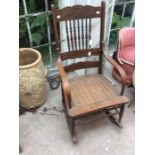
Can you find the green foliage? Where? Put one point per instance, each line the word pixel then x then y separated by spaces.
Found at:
pixel 37 37
pixel 117 22
pixel 37 23
pixel 56 3
pixel 38 27
pixel 22 29
pixel 32 5
pixel 124 22
pixel 116 19
pixel 120 23
pixel 113 38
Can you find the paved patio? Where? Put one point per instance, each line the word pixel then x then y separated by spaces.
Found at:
pixel 47 133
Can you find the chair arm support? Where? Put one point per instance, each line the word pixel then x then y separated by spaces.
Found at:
pixel 117 67
pixel 65 84
pixel 122 61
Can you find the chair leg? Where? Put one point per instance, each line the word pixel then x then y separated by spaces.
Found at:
pixel 63 100
pixel 113 119
pixel 71 126
pixel 121 112
pixel 20 149
pixel 70 121
pixel 132 102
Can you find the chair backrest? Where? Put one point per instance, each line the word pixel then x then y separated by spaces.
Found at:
pixel 77 21
pixel 126 37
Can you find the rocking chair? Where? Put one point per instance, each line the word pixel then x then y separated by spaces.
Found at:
pixel 87 94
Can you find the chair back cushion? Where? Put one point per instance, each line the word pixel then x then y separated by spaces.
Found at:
pixel 127 37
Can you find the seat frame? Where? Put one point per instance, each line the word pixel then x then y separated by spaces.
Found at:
pixel 72 13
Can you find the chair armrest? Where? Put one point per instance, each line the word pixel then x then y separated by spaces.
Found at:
pixel 117 67
pixel 122 61
pixel 65 84
pixel 126 62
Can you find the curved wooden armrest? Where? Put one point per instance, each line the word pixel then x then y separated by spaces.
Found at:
pixel 65 83
pixel 117 67
pixel 122 61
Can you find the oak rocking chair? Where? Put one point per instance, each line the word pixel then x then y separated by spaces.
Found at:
pixel 87 94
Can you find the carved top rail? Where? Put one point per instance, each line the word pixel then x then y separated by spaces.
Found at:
pixel 77 12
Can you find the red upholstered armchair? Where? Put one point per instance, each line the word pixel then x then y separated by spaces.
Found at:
pixel 126 53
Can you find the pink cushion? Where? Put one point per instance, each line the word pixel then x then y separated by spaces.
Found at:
pixel 127 37
pixel 128 70
pixel 127 54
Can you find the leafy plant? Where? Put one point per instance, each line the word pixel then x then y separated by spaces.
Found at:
pixel 38 28
pixel 56 3
pixel 124 22
pixel 37 23
pixel 117 22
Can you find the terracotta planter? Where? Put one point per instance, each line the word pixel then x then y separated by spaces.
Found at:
pixel 32 79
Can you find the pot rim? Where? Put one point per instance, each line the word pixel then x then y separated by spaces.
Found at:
pixel 35 62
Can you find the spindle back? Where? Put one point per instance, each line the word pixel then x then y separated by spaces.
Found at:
pixel 78 27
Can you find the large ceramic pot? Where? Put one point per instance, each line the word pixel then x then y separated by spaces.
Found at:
pixel 32 79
